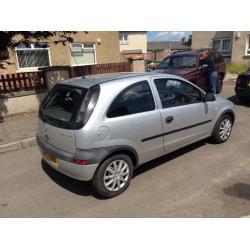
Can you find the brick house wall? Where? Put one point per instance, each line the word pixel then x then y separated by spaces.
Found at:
pixel 108 51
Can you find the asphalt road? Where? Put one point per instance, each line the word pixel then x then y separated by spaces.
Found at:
pixel 201 180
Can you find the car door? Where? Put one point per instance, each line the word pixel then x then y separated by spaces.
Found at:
pixel 133 117
pixel 186 118
pixel 201 80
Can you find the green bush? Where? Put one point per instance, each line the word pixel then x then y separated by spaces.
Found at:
pixel 236 68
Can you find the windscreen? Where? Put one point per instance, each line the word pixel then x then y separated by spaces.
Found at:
pixel 177 62
pixel 61 106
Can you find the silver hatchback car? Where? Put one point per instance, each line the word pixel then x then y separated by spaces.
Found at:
pixel 102 128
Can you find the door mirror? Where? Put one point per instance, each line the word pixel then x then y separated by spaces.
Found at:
pixel 210 97
pixel 203 66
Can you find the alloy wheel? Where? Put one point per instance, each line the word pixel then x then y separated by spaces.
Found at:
pixel 225 129
pixel 116 175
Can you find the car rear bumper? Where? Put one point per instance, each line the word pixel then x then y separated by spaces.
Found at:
pixel 242 91
pixel 65 163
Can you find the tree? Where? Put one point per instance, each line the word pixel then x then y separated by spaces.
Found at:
pixel 187 41
pixel 10 39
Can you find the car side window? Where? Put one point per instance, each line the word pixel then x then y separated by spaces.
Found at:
pixel 137 98
pixel 174 92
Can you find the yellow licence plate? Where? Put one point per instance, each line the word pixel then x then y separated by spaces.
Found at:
pixel 50 158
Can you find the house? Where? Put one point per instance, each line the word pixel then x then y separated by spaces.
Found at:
pixel 234 45
pixel 133 42
pixel 86 48
pixel 133 47
pixel 157 51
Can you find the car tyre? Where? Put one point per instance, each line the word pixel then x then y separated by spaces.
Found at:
pixel 222 129
pixel 219 84
pixel 113 176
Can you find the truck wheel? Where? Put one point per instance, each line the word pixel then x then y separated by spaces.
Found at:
pixel 219 84
pixel 113 176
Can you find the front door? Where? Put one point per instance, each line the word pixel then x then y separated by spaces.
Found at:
pixel 185 117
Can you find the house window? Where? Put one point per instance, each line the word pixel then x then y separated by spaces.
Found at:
pixel 83 54
pixel 32 56
pixel 216 44
pixel 123 37
pixel 223 45
pixel 248 46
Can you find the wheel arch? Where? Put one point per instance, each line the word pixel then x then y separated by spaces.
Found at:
pixel 127 150
pixel 225 112
pixel 228 112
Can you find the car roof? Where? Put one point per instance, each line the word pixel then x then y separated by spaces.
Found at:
pixel 185 53
pixel 193 52
pixel 92 80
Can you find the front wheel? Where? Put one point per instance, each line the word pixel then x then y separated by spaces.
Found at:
pixel 113 176
pixel 222 129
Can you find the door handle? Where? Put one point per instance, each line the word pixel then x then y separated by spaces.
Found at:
pixel 169 119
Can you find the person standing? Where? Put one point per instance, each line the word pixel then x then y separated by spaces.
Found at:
pixel 212 72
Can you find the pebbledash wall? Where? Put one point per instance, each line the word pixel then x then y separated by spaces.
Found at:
pixel 239 43
pixel 239 47
pixel 106 44
pixel 135 40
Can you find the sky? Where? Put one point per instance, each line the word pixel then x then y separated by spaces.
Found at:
pixel 167 35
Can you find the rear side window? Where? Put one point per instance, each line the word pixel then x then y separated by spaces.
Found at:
pixel 137 98
pixel 61 106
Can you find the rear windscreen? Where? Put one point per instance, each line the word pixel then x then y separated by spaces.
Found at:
pixel 61 106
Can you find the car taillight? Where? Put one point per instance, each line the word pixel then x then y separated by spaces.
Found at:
pixel 80 162
pixel 88 105
pixel 238 81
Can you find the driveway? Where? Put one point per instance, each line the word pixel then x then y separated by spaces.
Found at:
pixel 201 180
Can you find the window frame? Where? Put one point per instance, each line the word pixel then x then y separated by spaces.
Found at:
pixel 223 52
pixel 33 49
pixel 247 51
pixel 125 89
pixel 159 102
pixel 123 41
pixel 89 49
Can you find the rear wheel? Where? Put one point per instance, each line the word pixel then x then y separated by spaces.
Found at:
pixel 222 130
pixel 113 176
pixel 219 84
